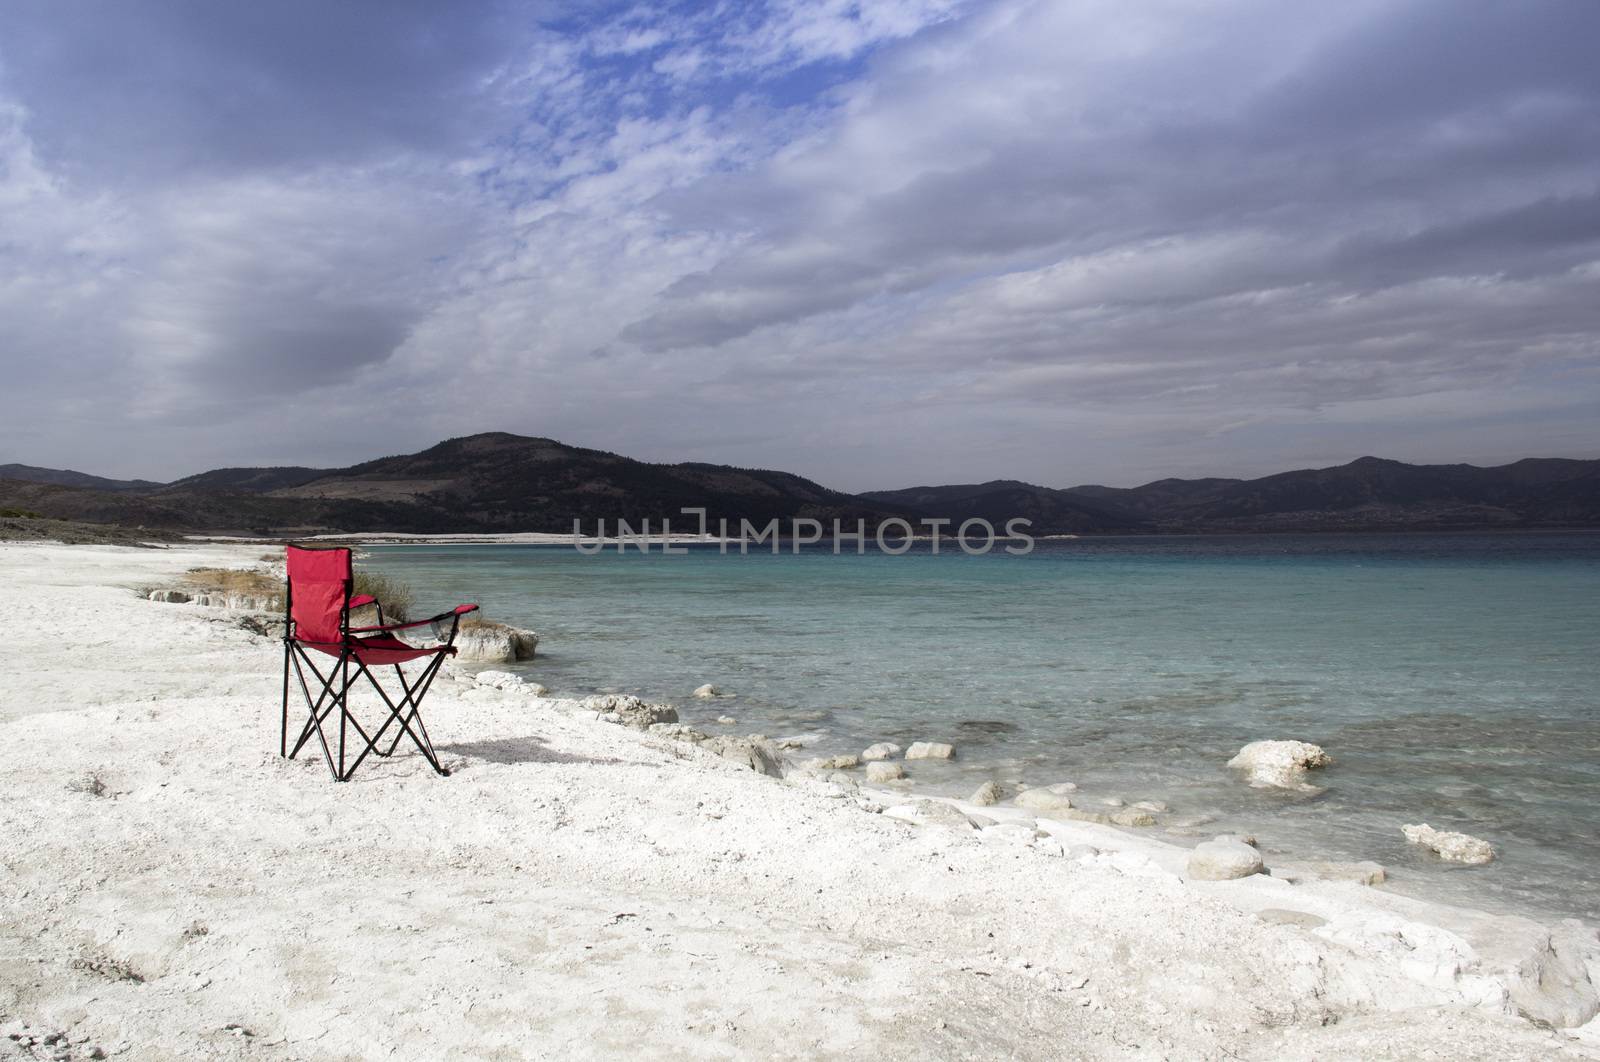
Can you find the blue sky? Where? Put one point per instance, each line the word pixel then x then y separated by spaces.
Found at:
pixel 878 244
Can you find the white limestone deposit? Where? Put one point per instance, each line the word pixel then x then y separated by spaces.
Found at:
pixel 1279 764
pixel 576 889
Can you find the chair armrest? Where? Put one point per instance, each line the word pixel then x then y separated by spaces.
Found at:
pixel 362 599
pixel 458 611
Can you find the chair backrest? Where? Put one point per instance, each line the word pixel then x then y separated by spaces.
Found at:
pixel 319 590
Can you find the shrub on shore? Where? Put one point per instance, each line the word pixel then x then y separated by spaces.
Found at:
pixel 235 581
pixel 395 596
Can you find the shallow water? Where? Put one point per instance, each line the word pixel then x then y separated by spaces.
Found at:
pixel 1453 677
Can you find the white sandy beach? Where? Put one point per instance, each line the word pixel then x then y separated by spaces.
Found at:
pixel 173 889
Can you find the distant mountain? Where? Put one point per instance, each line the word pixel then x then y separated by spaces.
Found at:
pixel 65 477
pixel 489 482
pixel 501 482
pixel 1001 499
pixel 1370 493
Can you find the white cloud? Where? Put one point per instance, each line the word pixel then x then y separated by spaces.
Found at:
pixel 872 242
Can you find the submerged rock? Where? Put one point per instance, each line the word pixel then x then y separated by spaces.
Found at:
pixel 832 763
pixel 883 771
pixel 1366 872
pixel 1042 799
pixel 1134 816
pixel 1279 764
pixel 1223 861
pixel 986 795
pixel 930 750
pixel 1079 815
pixel 708 690
pixel 1455 847
pixel 883 750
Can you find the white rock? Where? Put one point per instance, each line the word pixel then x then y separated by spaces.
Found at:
pixel 708 690
pixel 1010 833
pixel 1153 806
pixel 1042 800
pixel 678 732
pixel 629 711
pixel 883 750
pixel 882 771
pixel 1455 847
pixel 1223 861
pixel 987 794
pixel 1278 916
pixel 754 752
pixel 726 720
pixel 945 814
pixel 174 597
pixel 500 680
pixel 495 643
pixel 1279 764
pixel 930 750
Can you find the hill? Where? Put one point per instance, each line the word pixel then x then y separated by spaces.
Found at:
pixel 1052 511
pixel 489 482
pixel 1371 493
pixel 502 482
pixel 252 480
pixel 66 477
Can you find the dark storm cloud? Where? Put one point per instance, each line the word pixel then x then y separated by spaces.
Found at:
pixel 1440 57
pixel 115 89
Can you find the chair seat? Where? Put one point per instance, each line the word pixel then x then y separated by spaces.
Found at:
pixel 379 649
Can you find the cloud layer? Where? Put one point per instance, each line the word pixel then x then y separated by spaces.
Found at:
pixel 876 243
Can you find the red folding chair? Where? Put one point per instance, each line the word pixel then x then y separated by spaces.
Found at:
pixel 317 611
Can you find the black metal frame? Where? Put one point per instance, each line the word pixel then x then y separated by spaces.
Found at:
pixel 335 687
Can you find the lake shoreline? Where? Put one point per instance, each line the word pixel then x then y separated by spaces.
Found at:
pixel 581 888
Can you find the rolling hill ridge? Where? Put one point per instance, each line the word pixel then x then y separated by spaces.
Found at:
pixel 497 482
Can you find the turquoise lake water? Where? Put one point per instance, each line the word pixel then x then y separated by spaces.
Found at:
pixel 1454 678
